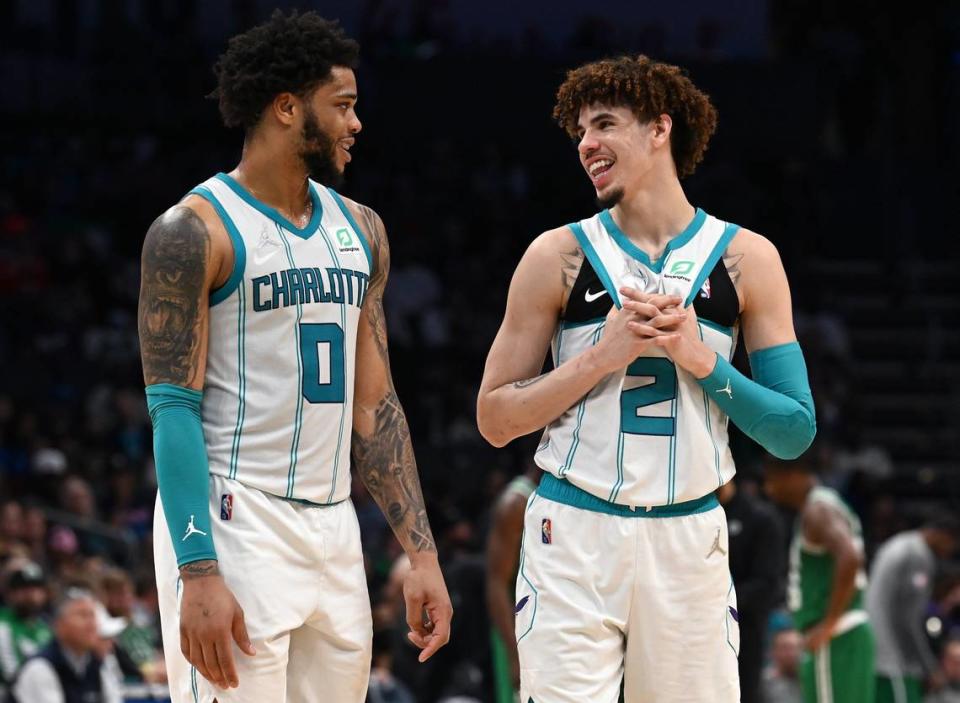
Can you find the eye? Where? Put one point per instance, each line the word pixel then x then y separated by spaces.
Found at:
pixel 606 123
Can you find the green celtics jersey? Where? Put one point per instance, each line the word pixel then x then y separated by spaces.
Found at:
pixel 811 567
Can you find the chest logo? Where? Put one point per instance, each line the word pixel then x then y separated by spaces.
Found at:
pixel 590 297
pixel 266 247
pixel 344 237
pixel 681 268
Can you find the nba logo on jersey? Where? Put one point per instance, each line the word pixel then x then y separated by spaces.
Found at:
pixel 705 291
pixel 226 506
pixel 546 531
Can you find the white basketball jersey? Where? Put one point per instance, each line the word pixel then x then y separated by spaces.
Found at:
pixel 278 391
pixel 646 435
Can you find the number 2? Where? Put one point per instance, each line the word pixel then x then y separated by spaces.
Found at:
pixel 663 388
pixel 321 351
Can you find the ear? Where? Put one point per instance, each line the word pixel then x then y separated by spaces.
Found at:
pixel 285 107
pixel 662 127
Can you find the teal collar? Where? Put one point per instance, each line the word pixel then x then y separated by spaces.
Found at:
pixel 273 213
pixel 639 254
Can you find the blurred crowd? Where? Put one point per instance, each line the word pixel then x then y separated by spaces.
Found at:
pixel 105 127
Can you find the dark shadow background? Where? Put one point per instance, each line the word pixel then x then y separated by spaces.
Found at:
pixel 837 140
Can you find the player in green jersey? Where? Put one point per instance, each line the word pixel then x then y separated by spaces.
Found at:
pixel 825 586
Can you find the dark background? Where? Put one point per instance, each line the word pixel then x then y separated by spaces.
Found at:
pixel 837 140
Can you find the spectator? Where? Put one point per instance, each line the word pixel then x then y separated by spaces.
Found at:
pixel 899 592
pixel 139 637
pixel 781 683
pixel 23 631
pixel 69 664
pixel 950 664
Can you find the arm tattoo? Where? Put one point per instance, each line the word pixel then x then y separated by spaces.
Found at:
pixel 198 569
pixel 172 291
pixel 732 262
pixel 571 261
pixel 529 381
pixel 382 453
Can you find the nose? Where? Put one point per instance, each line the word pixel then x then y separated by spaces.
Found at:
pixel 587 145
pixel 355 125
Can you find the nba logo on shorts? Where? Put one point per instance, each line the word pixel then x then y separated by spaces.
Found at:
pixel 226 506
pixel 705 291
pixel 546 531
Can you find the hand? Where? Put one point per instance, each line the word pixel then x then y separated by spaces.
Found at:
pixel 428 605
pixel 819 635
pixel 683 345
pixel 629 331
pixel 210 618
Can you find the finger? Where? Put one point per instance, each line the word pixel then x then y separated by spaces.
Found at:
pixel 665 301
pixel 645 309
pixel 196 659
pixel 240 636
pixel 420 640
pixel 634 294
pixel 212 664
pixel 661 321
pixel 643 329
pixel 228 668
pixel 415 614
pixel 441 635
pixel 666 340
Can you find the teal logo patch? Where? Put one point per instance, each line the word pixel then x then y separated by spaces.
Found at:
pixel 345 239
pixel 681 268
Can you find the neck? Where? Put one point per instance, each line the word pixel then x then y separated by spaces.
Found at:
pixel 274 176
pixel 654 214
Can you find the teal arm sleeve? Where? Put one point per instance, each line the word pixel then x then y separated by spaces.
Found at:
pixel 776 410
pixel 183 472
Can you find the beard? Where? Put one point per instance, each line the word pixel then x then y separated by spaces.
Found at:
pixel 318 153
pixel 612 198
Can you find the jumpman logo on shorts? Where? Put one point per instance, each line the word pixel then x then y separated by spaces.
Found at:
pixel 728 390
pixel 716 546
pixel 192 530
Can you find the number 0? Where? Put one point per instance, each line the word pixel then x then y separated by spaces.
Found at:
pixel 321 350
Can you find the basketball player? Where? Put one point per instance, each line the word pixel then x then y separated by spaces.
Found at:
pixel 825 586
pixel 503 556
pixel 265 358
pixel 624 571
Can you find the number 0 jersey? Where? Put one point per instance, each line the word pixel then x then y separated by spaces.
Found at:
pixel 647 435
pixel 278 391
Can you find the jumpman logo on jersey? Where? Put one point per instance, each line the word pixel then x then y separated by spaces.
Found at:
pixel 728 390
pixel 192 530
pixel 266 247
pixel 716 546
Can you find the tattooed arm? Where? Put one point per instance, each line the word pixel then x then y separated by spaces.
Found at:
pixel 382 454
pixel 185 253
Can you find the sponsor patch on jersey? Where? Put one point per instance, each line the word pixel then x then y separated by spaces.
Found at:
pixel 546 531
pixel 226 506
pixel 705 291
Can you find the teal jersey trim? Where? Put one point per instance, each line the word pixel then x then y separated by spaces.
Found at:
pixel 618 235
pixel 672 468
pixel 714 326
pixel 728 233
pixel 343 407
pixel 356 227
pixel 218 295
pixel 584 323
pixel 273 213
pixel 595 261
pixel 523 575
pixel 713 440
pixel 298 417
pixel 241 380
pixel 562 491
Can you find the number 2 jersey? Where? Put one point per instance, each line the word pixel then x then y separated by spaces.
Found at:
pixel 278 392
pixel 647 435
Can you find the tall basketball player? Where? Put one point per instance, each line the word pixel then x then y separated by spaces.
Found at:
pixel 265 358
pixel 624 573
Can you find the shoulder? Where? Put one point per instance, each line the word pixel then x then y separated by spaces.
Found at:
pixel 755 245
pixel 193 218
pixel 37 670
pixel 367 218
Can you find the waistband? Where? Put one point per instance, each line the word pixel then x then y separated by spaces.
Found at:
pixel 562 491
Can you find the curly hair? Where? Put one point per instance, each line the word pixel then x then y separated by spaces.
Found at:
pixel 650 89
pixel 288 53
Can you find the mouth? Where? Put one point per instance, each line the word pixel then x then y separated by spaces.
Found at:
pixel 344 145
pixel 599 171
